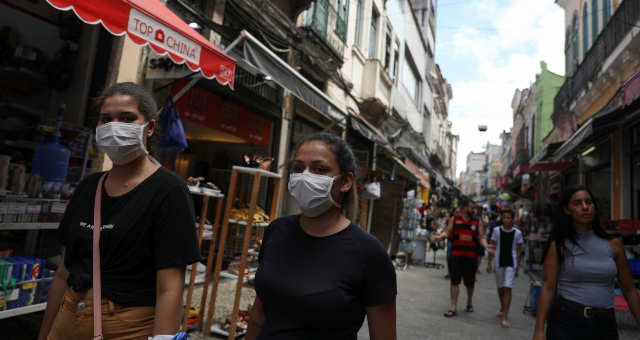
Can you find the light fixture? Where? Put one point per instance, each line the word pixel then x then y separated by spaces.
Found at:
pixel 267 77
pixel 588 151
pixel 195 26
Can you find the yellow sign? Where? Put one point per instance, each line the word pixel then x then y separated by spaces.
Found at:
pixel 29 285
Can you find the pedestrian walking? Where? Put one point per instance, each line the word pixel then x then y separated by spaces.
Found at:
pixel 147 235
pixel 319 273
pixel 581 266
pixel 480 215
pixel 508 242
pixel 454 214
pixel 466 233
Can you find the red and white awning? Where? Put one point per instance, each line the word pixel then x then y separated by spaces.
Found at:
pixel 150 22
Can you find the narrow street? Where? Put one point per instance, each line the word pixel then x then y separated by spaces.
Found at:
pixel 423 297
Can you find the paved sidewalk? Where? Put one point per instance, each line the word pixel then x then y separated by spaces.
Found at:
pixel 423 296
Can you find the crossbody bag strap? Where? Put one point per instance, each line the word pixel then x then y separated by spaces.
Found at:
pixel 97 284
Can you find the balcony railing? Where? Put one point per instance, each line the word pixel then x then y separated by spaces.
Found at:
pixel 323 19
pixel 619 25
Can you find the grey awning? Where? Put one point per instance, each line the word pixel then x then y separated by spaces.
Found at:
pixel 413 146
pixel 440 179
pixel 366 132
pixel 263 59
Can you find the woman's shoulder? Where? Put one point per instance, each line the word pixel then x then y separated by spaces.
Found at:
pixel 90 182
pixel 169 178
pixel 284 222
pixel 368 243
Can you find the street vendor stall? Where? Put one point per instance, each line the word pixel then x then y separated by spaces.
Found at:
pixel 51 72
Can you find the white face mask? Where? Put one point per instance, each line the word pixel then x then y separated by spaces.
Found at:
pixel 122 142
pixel 312 192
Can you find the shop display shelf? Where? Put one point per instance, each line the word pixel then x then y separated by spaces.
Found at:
pixel 20 198
pixel 247 278
pixel 29 226
pixel 206 226
pixel 255 224
pixel 245 170
pixel 21 144
pixel 198 281
pixel 23 310
pixel 36 280
pixel 216 330
pixel 205 191
pixel 23 73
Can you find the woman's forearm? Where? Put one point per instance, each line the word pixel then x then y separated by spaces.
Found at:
pixel 633 301
pixel 256 320
pixel 168 313
pixel 544 303
pixel 54 300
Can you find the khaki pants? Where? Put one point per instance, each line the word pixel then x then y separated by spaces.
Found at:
pixel 75 319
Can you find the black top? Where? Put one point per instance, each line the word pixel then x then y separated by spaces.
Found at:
pixel 506 248
pixel 152 227
pixel 318 287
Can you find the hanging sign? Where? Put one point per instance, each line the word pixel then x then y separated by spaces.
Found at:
pixel 205 108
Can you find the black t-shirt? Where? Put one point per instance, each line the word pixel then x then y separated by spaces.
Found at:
pixel 145 230
pixel 506 248
pixel 318 287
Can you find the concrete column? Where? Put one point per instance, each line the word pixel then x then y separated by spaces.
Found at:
pixel 616 174
pixel 288 112
pixel 217 16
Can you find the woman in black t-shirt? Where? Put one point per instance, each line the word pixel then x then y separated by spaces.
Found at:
pixel 146 240
pixel 319 273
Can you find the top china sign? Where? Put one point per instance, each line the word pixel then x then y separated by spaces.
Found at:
pixel 158 34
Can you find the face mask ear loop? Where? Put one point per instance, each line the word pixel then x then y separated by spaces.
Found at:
pixel 333 180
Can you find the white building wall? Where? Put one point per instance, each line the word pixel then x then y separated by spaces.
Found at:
pixel 400 14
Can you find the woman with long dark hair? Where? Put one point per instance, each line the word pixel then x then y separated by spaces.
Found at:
pixel 582 264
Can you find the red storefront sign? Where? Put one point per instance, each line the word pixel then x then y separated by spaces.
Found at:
pixel 205 108
pixel 150 22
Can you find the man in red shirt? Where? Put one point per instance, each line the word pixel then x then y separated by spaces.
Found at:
pixel 467 235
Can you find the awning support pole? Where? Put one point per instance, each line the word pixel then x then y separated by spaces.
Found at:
pixel 235 42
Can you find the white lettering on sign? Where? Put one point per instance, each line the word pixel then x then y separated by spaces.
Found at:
pixel 147 28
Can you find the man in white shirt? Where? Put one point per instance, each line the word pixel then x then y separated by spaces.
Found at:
pixel 508 241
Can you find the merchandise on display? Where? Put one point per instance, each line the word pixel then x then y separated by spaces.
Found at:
pixel 410 227
pixel 24 281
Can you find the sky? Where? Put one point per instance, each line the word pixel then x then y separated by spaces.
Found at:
pixel 487 49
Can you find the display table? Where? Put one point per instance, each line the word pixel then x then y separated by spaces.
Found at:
pixel 256 175
pixel 206 194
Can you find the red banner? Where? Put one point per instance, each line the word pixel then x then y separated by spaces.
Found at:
pixel 205 108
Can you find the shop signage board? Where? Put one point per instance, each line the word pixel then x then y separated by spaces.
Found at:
pixel 149 22
pixel 207 109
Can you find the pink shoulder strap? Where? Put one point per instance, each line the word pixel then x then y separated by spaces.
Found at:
pixel 97 286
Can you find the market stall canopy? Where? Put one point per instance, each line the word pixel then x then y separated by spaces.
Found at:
pixel 150 22
pixel 267 62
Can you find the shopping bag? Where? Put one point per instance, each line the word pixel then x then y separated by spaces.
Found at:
pixel 172 132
